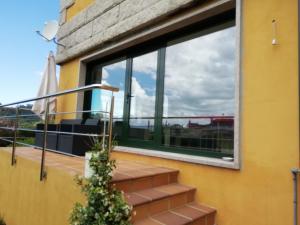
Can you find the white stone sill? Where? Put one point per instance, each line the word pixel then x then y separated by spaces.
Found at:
pixel 180 157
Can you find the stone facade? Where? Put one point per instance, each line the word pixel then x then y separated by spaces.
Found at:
pixel 106 20
pixel 64 4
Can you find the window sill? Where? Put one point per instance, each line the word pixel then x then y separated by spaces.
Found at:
pixel 180 157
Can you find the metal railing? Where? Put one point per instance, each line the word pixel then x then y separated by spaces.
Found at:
pixel 105 136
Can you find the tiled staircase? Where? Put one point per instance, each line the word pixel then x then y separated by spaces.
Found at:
pixel 158 199
pixel 154 192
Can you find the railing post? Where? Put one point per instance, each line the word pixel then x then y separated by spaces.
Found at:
pixel 16 125
pixel 43 173
pixel 111 114
pixel 104 133
pixel 295 173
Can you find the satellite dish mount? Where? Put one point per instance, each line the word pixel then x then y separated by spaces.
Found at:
pixel 50 31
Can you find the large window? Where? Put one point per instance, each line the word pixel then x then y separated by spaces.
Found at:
pixel 199 101
pixel 179 97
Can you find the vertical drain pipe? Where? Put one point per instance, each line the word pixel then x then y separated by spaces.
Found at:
pixel 295 173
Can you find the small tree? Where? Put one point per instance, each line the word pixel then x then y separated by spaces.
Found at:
pixel 105 204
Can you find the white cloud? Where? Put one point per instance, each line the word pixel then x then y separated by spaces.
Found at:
pixel 146 64
pixel 105 74
pixel 142 104
pixel 200 75
pixel 199 79
pixel 118 65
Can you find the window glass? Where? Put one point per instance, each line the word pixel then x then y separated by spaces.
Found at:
pixel 142 97
pixel 112 75
pixel 199 93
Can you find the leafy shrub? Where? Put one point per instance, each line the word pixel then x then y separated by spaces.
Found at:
pixel 105 204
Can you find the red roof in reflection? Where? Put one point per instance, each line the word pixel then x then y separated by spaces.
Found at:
pixel 222 121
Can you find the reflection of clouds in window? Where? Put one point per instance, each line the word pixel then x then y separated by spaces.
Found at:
pixel 146 64
pixel 200 73
pixel 112 75
pixel 141 103
pixel 143 88
pixel 105 75
pixel 119 102
pixel 118 65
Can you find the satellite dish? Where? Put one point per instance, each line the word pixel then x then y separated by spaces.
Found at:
pixel 50 31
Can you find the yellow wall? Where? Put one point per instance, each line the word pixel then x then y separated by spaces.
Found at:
pixel 68 80
pixel 77 7
pixel 24 200
pixel 261 193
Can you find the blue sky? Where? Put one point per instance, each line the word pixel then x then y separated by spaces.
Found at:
pixel 23 53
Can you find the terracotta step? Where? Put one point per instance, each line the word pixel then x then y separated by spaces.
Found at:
pixel 157 198
pixel 154 200
pixel 189 214
pixel 144 178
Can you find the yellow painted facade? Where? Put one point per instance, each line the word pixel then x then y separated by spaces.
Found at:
pixel 68 80
pixel 24 200
pixel 261 192
pixel 77 7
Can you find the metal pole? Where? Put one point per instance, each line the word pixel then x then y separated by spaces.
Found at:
pixel 104 132
pixel 43 173
pixel 295 198
pixel 295 173
pixel 70 91
pixel 111 114
pixel 13 155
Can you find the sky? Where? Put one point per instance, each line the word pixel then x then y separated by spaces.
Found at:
pixel 23 53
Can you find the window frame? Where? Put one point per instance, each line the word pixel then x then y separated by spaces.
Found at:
pixel 161 47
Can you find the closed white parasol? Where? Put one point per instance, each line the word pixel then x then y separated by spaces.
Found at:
pixel 49 85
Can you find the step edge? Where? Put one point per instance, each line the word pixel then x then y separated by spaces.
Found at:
pixel 212 209
pixel 179 214
pixel 163 197
pixel 142 176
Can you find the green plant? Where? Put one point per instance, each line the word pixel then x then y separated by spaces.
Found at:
pixel 26 140
pixel 29 140
pixel 105 205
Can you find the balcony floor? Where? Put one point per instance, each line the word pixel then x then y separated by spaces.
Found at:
pixel 75 165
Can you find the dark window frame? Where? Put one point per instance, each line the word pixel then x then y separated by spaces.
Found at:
pixel 160 44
